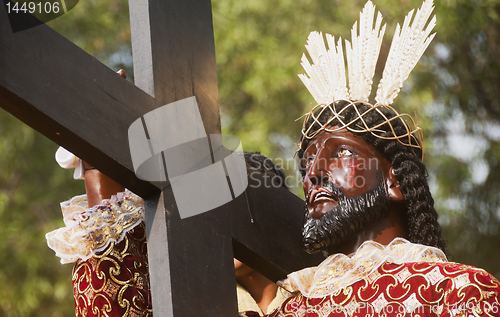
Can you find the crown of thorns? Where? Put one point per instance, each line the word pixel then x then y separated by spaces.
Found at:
pixel 411 136
pixel 325 77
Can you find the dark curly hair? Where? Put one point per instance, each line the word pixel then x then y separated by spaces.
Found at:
pixel 266 166
pixel 409 170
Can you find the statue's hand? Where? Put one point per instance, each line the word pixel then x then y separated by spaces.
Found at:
pixel 122 73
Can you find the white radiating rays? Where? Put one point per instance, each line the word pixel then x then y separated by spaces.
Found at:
pixel 325 77
pixel 408 45
pixel 362 56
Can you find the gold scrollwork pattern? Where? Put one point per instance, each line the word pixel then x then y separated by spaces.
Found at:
pixel 115 281
pixel 88 231
pixel 411 289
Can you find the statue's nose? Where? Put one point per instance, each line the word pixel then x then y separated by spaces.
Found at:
pixel 318 172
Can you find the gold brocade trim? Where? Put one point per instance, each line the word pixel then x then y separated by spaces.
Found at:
pixel 91 230
pixel 106 286
pixel 339 270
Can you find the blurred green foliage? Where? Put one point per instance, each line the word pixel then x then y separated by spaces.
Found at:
pixel 31 186
pixel 259 43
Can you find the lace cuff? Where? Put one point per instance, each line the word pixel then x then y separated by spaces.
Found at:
pixel 91 230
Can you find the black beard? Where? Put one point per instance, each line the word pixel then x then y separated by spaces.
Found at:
pixel 348 218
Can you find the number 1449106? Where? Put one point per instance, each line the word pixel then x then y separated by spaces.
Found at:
pixel 33 7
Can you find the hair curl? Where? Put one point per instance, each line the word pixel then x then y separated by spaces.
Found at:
pixel 267 167
pixel 409 170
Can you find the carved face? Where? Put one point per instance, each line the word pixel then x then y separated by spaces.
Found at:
pixel 345 186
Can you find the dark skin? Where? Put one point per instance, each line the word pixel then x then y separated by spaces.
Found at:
pixel 99 186
pixel 262 289
pixel 352 164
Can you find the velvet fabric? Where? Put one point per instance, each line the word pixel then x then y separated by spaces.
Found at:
pixel 115 282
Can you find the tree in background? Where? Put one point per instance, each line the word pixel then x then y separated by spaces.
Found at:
pixel 31 186
pixel 454 90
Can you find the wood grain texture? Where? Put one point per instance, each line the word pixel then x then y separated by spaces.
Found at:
pixel 180 62
pixel 173 45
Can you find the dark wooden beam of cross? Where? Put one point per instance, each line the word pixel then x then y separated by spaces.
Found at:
pixel 79 103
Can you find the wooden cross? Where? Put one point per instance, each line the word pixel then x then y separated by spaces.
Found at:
pixel 79 103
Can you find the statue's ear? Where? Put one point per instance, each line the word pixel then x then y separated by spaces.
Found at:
pixel 393 187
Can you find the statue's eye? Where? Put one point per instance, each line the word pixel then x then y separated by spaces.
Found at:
pixel 344 153
pixel 309 160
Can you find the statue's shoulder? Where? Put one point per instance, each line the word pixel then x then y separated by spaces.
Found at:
pixel 461 284
pixel 437 272
pixel 467 275
pixel 454 267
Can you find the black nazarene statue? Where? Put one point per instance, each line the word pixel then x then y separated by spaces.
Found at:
pixel 368 205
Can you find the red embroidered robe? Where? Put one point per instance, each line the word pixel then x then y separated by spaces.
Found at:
pixel 409 289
